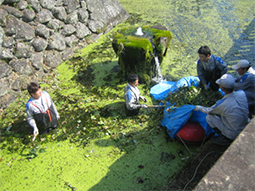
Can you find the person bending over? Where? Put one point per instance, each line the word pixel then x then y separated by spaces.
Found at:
pixel 229 115
pixel 209 68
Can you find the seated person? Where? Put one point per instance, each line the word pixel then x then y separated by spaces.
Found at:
pixel 132 96
pixel 229 115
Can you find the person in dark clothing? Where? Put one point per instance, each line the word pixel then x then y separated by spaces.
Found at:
pixel 209 68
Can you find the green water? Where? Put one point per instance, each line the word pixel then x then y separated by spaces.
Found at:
pixel 96 147
pixel 227 27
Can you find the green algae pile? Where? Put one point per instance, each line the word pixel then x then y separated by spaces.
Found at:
pixel 96 147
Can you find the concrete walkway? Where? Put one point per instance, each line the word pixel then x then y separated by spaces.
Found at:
pixel 235 169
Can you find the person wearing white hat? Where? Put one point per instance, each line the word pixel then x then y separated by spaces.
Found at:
pixel 229 115
pixel 246 82
pixel 209 68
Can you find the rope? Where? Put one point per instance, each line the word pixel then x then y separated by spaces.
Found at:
pixel 184 144
pixel 196 170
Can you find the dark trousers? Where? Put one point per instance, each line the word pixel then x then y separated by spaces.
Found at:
pixel 131 112
pixel 212 77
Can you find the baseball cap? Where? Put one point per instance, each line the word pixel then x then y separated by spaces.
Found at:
pixel 241 64
pixel 226 81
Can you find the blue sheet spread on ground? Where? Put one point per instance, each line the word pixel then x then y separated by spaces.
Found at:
pixel 178 117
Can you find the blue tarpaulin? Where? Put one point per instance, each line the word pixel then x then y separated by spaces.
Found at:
pixel 161 90
pixel 188 81
pixel 178 117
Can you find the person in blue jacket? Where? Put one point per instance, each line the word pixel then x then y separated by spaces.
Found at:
pixel 209 68
pixel 132 96
pixel 246 82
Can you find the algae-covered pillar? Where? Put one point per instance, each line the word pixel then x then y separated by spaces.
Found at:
pixel 141 50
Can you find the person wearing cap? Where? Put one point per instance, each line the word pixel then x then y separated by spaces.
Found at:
pixel 246 82
pixel 229 115
pixel 209 68
pixel 132 96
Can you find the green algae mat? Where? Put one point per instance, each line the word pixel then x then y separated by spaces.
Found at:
pixel 99 166
pixel 96 147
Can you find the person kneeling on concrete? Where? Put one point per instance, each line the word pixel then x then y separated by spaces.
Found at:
pixel 229 115
pixel 41 112
pixel 132 96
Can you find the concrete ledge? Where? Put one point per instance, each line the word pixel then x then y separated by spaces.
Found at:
pixel 235 169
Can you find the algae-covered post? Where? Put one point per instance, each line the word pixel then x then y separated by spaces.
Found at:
pixel 137 49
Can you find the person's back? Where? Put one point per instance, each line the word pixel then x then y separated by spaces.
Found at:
pixel 233 110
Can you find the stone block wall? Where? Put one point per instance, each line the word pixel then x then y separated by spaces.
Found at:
pixel 38 35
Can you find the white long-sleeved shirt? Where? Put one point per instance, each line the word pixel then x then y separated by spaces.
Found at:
pixel 42 104
pixel 131 97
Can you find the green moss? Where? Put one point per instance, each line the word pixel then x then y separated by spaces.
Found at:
pixel 137 43
pixel 136 52
pixel 128 40
pixel 162 33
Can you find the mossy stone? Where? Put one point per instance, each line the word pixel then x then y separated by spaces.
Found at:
pixel 137 52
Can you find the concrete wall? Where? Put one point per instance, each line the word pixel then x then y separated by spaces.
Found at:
pixel 235 170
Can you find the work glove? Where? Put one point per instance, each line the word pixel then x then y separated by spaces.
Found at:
pixel 143 106
pixel 198 108
pixel 207 87
pixel 143 98
pixel 203 109
pixel 36 132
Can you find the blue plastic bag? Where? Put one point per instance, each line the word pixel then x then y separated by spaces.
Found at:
pixel 161 90
pixel 188 81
